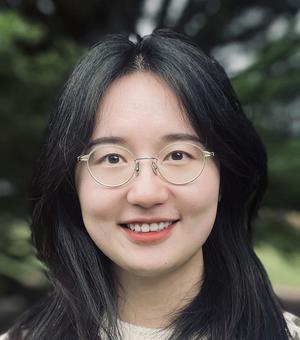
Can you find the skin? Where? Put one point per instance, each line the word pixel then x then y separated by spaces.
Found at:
pixel 155 279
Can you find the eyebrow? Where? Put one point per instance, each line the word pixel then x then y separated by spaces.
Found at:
pixel 106 140
pixel 181 136
pixel 174 137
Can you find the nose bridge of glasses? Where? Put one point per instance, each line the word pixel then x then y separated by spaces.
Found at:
pixel 153 164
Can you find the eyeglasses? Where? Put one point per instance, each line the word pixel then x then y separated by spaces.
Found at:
pixel 178 163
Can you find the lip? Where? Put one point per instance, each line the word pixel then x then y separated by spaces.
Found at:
pixel 151 237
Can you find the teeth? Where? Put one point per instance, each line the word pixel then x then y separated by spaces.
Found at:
pixel 162 225
pixel 137 228
pixel 153 227
pixel 145 227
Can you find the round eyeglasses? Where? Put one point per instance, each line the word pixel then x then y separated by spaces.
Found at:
pixel 178 163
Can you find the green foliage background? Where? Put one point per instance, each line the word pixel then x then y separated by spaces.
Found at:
pixel 36 56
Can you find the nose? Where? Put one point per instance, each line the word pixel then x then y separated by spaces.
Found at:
pixel 147 188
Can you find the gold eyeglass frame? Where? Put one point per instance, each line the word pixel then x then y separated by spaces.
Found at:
pixel 136 169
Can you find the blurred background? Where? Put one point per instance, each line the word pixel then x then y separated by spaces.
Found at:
pixel 258 43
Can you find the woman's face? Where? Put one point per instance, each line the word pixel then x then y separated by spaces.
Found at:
pixel 141 109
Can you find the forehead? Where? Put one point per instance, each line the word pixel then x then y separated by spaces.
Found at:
pixel 140 107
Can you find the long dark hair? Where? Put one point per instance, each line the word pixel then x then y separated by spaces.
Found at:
pixel 236 300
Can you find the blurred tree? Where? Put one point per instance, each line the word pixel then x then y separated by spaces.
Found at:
pixel 40 40
pixel 30 80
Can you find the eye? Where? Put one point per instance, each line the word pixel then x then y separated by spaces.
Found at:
pixel 109 156
pixel 112 158
pixel 177 155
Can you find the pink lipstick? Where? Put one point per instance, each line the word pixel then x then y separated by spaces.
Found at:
pixel 149 236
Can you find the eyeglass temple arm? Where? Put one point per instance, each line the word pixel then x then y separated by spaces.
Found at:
pixel 208 154
pixel 83 158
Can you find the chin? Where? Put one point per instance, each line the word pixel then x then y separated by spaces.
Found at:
pixel 145 269
pixel 147 272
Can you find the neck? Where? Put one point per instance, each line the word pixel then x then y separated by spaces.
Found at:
pixel 151 301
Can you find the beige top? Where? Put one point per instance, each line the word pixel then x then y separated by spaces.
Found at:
pixel 132 332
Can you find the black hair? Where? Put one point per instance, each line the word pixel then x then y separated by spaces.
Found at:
pixel 236 300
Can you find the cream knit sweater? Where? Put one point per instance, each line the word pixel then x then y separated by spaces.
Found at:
pixel 132 332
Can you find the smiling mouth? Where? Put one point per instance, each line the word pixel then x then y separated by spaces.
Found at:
pixel 148 227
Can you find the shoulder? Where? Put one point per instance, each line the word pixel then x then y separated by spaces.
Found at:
pixel 4 337
pixel 293 323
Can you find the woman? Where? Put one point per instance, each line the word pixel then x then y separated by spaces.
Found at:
pixel 143 202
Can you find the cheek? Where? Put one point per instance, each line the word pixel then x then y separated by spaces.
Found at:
pixel 200 203
pixel 99 214
pixel 203 193
pixel 97 203
pixel 203 198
